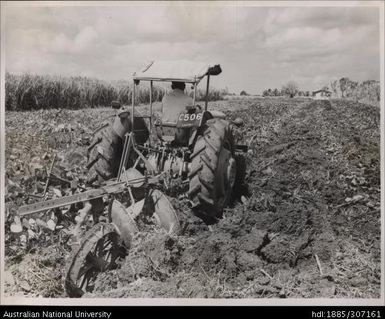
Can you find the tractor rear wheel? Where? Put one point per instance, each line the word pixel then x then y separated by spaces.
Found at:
pixel 103 155
pixel 213 170
pixel 105 151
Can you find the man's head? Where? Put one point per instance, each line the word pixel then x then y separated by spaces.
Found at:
pixel 178 85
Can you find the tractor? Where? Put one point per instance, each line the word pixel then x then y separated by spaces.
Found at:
pixel 130 162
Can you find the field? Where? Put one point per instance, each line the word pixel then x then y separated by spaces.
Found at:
pixel 307 226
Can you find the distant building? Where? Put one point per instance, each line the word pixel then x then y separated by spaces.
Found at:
pixel 321 94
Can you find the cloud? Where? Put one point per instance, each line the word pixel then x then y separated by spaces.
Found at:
pixel 258 47
pixel 82 42
pixel 323 17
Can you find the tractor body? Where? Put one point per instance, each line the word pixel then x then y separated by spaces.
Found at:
pixel 199 147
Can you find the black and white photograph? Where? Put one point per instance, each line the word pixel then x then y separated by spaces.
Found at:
pixel 190 152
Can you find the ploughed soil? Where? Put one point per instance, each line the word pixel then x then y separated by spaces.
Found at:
pixel 306 223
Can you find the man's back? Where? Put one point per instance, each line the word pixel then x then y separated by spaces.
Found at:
pixel 173 103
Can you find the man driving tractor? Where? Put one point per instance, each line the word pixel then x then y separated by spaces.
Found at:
pixel 175 102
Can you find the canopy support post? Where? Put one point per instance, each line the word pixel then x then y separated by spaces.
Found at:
pixel 150 112
pixel 207 91
pixel 133 106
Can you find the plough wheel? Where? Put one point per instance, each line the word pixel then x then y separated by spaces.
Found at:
pixel 98 252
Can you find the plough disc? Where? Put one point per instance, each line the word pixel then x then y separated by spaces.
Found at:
pixel 164 212
pixel 124 222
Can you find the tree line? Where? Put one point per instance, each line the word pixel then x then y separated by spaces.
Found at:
pixel 290 89
pixel 366 91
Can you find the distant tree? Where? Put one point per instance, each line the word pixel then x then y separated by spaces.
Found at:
pixel 267 92
pixel 275 92
pixel 243 93
pixel 307 93
pixel 291 88
pixel 351 88
pixel 344 85
pixel 334 86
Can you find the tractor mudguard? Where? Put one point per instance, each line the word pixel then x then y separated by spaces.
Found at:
pixel 122 125
pixel 218 114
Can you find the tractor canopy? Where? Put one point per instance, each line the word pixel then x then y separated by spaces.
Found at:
pixel 178 71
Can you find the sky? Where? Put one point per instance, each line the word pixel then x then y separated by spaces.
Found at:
pixel 257 47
